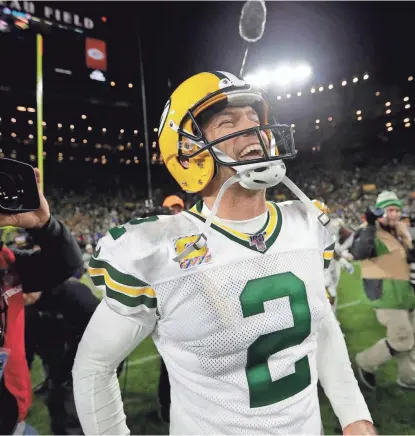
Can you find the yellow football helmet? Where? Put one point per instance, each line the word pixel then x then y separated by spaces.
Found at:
pixel 189 157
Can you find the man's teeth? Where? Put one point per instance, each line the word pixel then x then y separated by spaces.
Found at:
pixel 251 148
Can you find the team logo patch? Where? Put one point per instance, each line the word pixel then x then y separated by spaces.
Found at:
pixel 258 241
pixel 197 257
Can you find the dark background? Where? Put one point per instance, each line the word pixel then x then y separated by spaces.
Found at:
pixel 338 40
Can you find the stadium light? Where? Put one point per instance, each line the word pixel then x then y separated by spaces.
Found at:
pixel 72 126
pixel 366 76
pixel 59 126
pixel 21 108
pixel 355 79
pixel 30 109
pixel 317 127
pixel 282 75
pixel 155 129
pixel 288 95
pixel 104 130
pixel 331 86
pixel 135 132
pixel 302 72
pixel 112 83
pixel 406 99
pixel 60 139
pixel 89 128
pixel 388 124
pixel 261 78
pixel 359 118
pixel 388 103
pixel 278 97
pixel 31 136
pixel 299 94
pixel 390 129
pixel 13 120
pixel 44 123
pixel 410 78
pixel 84 141
pixel 406 120
pixel 388 111
pixel 130 85
pixel 30 122
pixel 122 131
pixel 83 117
pixel 317 121
pixel 321 88
pixel 408 125
pixel 313 90
pixel 344 83
pixel 407 106
pixel 377 93
pixel 293 125
pixel 358 112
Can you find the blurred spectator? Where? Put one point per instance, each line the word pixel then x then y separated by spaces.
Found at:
pixel 55 323
pixel 28 271
pixel 384 246
pixel 174 203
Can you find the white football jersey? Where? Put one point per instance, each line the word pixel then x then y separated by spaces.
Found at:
pixel 237 322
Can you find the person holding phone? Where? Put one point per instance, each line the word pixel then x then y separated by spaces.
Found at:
pixel 28 271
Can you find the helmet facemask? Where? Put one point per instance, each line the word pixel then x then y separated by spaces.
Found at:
pixel 278 146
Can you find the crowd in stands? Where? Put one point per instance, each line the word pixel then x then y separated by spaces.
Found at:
pixel 347 190
pixel 346 184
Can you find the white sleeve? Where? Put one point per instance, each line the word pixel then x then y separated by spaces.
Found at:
pixel 120 267
pixel 336 375
pixel 107 341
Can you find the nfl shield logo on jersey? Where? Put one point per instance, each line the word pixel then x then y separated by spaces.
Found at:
pixel 258 241
pixel 197 257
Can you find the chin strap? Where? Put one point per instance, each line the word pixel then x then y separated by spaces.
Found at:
pixel 312 208
pixel 201 240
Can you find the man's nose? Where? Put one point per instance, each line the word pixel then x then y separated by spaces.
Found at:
pixel 248 124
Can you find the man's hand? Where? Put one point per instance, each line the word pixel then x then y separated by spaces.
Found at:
pixel 29 220
pixel 360 428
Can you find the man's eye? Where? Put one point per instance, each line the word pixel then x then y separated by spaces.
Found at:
pixel 223 122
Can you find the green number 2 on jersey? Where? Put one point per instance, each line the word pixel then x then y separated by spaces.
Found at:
pixel 262 390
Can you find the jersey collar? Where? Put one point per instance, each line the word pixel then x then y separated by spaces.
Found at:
pixel 270 230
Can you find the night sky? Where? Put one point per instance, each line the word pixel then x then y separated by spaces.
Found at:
pixel 182 38
pixel 335 38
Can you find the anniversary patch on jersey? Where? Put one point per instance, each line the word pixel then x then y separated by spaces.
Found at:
pixel 197 257
pixel 258 241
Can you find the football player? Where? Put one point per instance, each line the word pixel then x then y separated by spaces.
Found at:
pixel 232 291
pixel 341 260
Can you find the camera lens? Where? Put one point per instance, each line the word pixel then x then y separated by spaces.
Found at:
pixel 9 193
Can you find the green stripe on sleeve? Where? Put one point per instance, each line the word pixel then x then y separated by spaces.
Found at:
pixel 330 247
pixel 122 278
pixel 326 263
pixel 126 300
